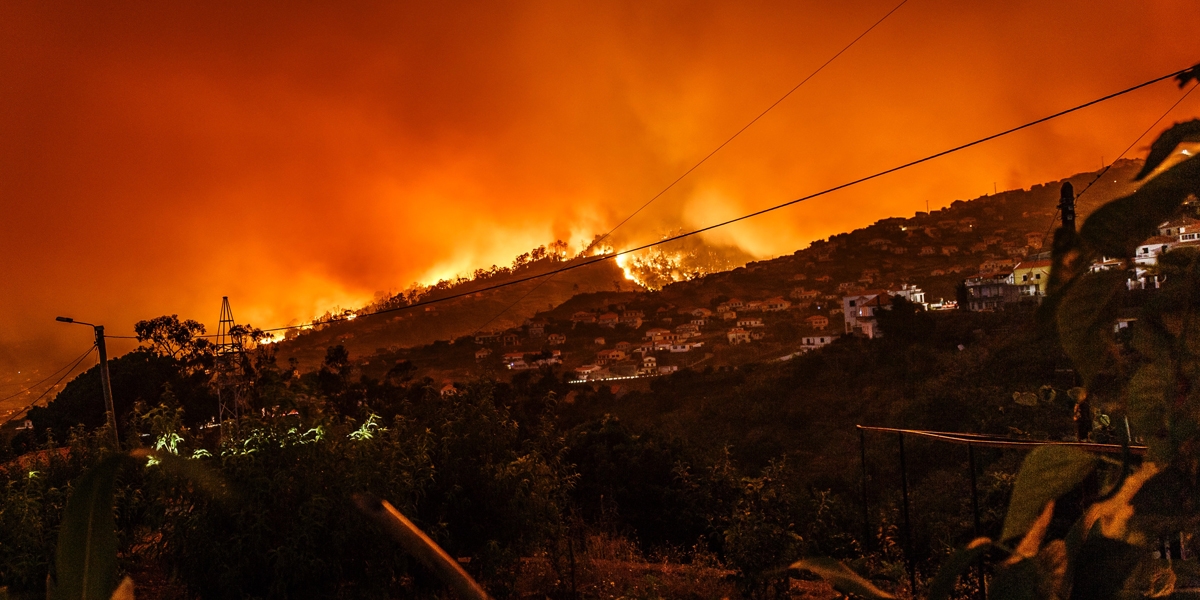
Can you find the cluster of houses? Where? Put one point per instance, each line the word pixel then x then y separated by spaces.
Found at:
pixel 677 340
pixel 859 310
pixel 1000 283
pixel 922 239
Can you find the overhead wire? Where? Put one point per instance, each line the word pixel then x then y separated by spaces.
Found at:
pixel 52 386
pixel 1120 156
pixel 757 213
pixel 824 192
pixel 705 158
pixel 44 380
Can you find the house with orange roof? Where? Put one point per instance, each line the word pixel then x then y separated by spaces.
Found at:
pixel 817 321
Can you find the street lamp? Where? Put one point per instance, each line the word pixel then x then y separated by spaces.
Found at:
pixel 105 382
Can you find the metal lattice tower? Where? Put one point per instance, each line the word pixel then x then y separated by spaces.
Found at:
pixel 229 379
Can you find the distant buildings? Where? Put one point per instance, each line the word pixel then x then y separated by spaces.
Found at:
pixel 813 342
pixel 746 322
pixel 859 310
pixel 1031 277
pixel 991 291
pixel 817 321
pixel 737 335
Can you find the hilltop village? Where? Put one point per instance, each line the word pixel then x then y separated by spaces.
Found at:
pixel 987 254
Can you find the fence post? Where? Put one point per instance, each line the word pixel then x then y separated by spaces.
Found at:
pixel 862 450
pixel 975 514
pixel 908 541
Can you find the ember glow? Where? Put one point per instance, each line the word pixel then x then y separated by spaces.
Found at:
pixel 302 157
pixel 681 260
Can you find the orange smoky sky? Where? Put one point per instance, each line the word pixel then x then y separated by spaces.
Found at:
pixel 298 156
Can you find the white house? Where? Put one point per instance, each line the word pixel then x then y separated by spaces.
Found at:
pixel 487 337
pixel 1147 252
pixel 1178 226
pixel 776 304
pixel 813 342
pixel 656 333
pixel 737 335
pixel 817 321
pixel 607 357
pixel 909 292
pixel 859 310
pixel 587 371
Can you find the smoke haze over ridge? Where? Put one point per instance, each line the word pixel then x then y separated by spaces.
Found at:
pixel 298 157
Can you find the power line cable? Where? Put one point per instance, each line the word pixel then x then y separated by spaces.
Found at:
pixel 1119 157
pixel 705 158
pixel 824 192
pixel 751 215
pixel 43 394
pixel 772 208
pixel 755 119
pixel 47 378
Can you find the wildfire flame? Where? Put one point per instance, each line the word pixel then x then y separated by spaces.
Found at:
pixel 656 268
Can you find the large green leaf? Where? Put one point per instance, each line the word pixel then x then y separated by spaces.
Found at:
pixel 1117 228
pixel 960 561
pixel 1047 473
pixel 1085 319
pixel 86 557
pixel 841 577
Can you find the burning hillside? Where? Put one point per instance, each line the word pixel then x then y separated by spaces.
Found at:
pixel 682 260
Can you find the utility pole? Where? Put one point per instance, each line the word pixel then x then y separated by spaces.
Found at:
pixel 1066 205
pixel 105 381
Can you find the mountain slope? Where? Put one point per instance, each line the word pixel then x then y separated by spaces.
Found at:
pixel 935 251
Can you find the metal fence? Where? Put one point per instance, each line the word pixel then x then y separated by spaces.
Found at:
pixel 971 441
